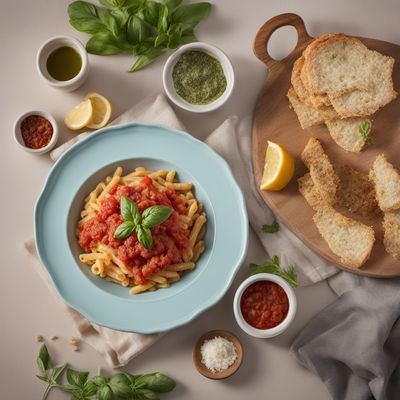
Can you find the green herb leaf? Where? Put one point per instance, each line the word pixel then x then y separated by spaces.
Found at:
pixel 146 394
pixel 145 59
pixel 364 129
pixel 156 215
pixel 129 210
pixel 144 237
pixel 172 4
pixel 104 392
pixel 162 24
pixel 174 35
pixel 136 30
pixel 103 44
pixel 156 382
pixel 56 372
pixel 121 386
pixel 124 230
pixel 86 17
pixel 43 359
pixel 273 228
pixel 76 378
pixel 273 267
pixel 190 14
pixel 161 39
pixel 188 36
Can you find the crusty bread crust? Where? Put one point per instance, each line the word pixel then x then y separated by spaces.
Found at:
pixel 350 240
pixel 391 237
pixel 309 191
pixel 321 170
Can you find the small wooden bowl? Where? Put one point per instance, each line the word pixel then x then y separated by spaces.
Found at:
pixel 197 354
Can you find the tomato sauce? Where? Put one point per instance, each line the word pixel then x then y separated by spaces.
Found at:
pixel 264 305
pixel 36 131
pixel 170 239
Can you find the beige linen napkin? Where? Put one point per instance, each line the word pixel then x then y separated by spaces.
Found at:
pixel 232 140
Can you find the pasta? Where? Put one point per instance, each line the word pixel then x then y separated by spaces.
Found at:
pixel 124 261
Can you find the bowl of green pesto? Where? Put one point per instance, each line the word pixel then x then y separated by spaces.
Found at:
pixel 198 77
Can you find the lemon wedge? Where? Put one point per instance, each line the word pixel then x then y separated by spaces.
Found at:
pixel 278 167
pixel 80 116
pixel 102 109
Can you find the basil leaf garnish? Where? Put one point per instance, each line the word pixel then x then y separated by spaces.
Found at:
pixel 124 230
pixel 144 236
pixel 155 215
pixel 129 210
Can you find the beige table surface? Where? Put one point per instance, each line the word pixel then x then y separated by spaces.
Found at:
pixel 268 371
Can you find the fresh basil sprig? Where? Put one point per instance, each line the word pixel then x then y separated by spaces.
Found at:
pixel 273 228
pixel 144 28
pixel 140 223
pixel 364 129
pixel 273 266
pixel 121 385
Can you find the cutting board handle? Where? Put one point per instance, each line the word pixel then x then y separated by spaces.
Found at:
pixel 264 33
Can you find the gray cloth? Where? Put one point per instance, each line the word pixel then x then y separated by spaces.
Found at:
pixel 353 345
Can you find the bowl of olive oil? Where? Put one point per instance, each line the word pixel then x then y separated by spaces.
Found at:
pixel 62 62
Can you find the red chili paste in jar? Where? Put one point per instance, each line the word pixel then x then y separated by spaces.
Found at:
pixel 36 131
pixel 264 305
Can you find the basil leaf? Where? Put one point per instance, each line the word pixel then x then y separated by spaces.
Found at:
pixel 273 228
pixel 43 359
pixel 56 372
pixel 86 17
pixel 172 4
pixel 174 35
pixel 190 14
pixel 121 386
pixel 151 12
pixel 136 30
pixel 162 24
pixel 146 58
pixel 155 215
pixel 124 230
pixel 76 378
pixel 146 394
pixel 99 380
pixel 104 392
pixel 188 36
pixel 157 382
pixel 144 236
pixel 90 388
pixel 129 210
pixel 103 44
pixel 161 39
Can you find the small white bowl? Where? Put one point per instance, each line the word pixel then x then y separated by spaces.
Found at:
pixel 47 48
pixel 265 333
pixel 18 135
pixel 226 66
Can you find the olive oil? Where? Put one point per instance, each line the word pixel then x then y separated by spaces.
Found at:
pixel 64 63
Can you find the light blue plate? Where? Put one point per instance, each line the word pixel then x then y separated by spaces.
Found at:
pixel 89 161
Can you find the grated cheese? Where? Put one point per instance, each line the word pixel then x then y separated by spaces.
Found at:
pixel 218 354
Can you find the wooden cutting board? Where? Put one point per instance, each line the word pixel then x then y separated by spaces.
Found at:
pixel 274 120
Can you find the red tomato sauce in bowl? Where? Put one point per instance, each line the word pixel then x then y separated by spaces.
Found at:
pixel 170 239
pixel 264 304
pixel 36 131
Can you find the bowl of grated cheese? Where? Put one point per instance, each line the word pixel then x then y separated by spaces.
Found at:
pixel 217 354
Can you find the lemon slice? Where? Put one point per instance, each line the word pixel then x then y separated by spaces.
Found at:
pixel 80 115
pixel 102 109
pixel 278 167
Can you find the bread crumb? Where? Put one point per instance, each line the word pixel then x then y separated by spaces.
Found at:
pixel 73 340
pixel 39 338
pixel 75 348
pixel 53 337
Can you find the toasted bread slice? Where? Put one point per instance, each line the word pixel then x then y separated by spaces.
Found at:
pixel 391 237
pixel 346 132
pixel 328 113
pixel 317 100
pixel 309 191
pixel 308 116
pixel 336 64
pixel 356 192
pixel 321 170
pixel 366 102
pixel 297 83
pixel 387 183
pixel 349 239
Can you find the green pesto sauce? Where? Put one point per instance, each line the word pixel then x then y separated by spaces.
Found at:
pixel 64 63
pixel 198 78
